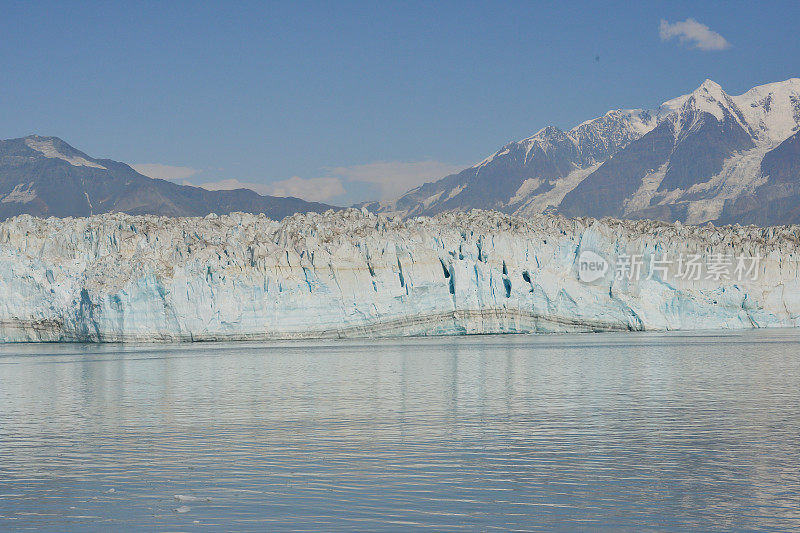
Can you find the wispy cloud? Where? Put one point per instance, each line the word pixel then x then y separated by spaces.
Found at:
pixel 385 179
pixel 694 35
pixel 312 189
pixel 164 172
pixel 396 177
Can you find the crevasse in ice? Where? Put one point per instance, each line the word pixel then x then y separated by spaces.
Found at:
pixel 118 277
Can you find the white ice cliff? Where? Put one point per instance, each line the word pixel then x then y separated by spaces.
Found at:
pixel 117 277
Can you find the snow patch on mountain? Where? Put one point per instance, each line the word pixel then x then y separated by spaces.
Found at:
pixel 455 191
pixel 48 148
pixel 541 202
pixel 740 175
pixel 528 186
pixel 644 195
pixel 21 194
pixel 772 111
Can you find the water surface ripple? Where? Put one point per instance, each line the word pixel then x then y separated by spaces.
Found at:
pixel 602 431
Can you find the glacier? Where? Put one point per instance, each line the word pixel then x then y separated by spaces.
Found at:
pixel 351 273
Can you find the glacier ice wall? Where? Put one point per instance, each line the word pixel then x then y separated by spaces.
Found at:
pixel 117 277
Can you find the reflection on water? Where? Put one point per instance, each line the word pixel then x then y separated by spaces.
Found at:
pixel 615 431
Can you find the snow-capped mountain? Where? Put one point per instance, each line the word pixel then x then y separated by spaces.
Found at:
pixel 705 156
pixel 44 176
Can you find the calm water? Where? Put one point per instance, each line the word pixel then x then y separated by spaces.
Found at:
pixel 603 431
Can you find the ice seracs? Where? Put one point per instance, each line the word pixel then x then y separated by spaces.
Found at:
pixel 116 277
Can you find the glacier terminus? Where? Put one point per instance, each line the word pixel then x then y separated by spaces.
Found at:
pixel 123 278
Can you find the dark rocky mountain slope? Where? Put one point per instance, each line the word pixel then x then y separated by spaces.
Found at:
pixel 44 176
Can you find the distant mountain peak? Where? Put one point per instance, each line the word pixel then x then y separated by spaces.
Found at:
pixel 55 148
pixel 709 86
pixel 693 158
pixel 45 176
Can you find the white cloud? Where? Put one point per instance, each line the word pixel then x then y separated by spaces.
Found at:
pixel 391 178
pixel 693 34
pixel 164 172
pixel 396 177
pixel 312 189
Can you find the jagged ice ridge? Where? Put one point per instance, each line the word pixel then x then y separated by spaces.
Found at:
pixel 117 277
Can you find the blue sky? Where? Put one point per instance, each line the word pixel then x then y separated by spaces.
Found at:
pixel 347 101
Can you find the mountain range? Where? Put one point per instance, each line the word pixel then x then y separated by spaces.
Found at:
pixel 702 157
pixel 44 176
